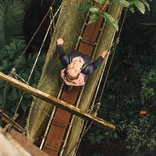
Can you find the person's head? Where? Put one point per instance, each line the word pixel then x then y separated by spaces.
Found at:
pixel 72 71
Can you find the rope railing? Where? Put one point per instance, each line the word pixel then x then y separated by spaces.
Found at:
pixel 13 71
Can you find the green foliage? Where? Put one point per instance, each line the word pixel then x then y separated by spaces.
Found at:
pixel 100 1
pixel 110 20
pixel 141 134
pixel 140 6
pixel 131 88
pixel 98 11
pixel 93 18
pixel 9 54
pixel 12 15
pixel 146 4
pixel 148 85
pixel 84 8
pixel 8 57
pixel 94 9
pixel 123 3
pixel 95 137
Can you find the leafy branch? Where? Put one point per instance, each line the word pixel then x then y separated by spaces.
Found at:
pixel 100 9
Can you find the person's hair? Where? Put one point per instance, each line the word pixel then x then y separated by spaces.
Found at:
pixel 70 78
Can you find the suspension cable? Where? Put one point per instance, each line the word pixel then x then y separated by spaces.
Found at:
pixel 32 38
pixel 113 53
pixel 35 59
pixel 13 71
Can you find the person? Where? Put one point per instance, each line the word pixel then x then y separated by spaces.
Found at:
pixel 76 66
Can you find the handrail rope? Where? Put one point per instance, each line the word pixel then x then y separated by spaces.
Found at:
pixel 113 53
pixel 51 23
pixel 84 132
pixel 32 37
pixel 13 69
pixel 41 47
pixel 50 120
pixel 112 46
pixel 82 135
pixel 115 45
pixel 59 94
pixel 83 27
pixel 70 125
pixel 99 82
pixel 36 63
pixel 91 107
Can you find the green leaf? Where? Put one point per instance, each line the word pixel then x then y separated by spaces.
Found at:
pixel 128 147
pixel 93 18
pixel 84 8
pixel 100 1
pixel 110 20
pixel 146 4
pixel 153 80
pixel 123 3
pixel 100 136
pixel 139 5
pixel 94 9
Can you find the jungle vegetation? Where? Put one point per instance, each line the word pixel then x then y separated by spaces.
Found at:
pixel 129 99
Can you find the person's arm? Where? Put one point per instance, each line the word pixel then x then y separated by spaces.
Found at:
pixel 97 62
pixel 59 47
pixel 93 66
pixel 63 57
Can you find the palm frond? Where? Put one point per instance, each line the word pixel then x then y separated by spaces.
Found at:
pixel 12 15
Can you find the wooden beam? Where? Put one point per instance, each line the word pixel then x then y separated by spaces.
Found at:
pixel 54 101
pixel 9 146
pixel 26 144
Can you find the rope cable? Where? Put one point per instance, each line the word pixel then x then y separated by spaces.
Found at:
pixel 113 53
pixel 32 38
pixel 18 105
pixel 50 116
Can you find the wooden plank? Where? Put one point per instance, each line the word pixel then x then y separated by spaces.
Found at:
pixel 92 30
pixel 91 33
pixel 56 133
pixel 26 144
pixel 10 147
pixel 54 101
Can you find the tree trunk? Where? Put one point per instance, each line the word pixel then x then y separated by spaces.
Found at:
pixel 105 42
pixel 68 27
